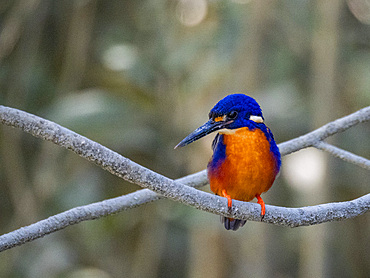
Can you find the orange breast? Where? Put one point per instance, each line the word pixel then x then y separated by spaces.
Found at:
pixel 249 167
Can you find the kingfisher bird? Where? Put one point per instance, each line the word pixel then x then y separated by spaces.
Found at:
pixel 245 158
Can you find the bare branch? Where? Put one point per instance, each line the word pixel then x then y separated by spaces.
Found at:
pixel 312 138
pixel 89 212
pixel 342 154
pixel 175 190
pixel 292 217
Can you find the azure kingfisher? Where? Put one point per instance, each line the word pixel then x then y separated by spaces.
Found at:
pixel 245 158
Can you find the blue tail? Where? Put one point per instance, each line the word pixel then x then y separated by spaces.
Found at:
pixel 232 224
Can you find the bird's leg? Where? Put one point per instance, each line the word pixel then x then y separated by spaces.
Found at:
pixel 262 203
pixel 229 200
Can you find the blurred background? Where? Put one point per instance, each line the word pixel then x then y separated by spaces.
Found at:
pixel 137 77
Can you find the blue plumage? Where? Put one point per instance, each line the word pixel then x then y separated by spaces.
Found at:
pixel 245 157
pixel 246 106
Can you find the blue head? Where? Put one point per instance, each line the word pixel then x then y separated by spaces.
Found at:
pixel 235 111
pixel 231 112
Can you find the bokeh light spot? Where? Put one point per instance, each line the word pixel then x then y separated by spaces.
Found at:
pixel 120 57
pixel 191 12
pixel 360 9
pixel 305 170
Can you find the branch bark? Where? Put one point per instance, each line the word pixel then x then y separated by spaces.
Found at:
pixel 179 190
pixel 342 154
pixel 320 134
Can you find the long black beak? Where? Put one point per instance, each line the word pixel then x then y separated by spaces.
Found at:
pixel 202 131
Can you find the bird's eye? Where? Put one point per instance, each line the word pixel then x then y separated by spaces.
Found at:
pixel 232 115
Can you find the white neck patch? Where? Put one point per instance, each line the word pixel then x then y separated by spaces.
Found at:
pixel 227 131
pixel 256 119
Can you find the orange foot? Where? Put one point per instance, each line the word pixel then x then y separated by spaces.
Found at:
pixel 262 203
pixel 229 200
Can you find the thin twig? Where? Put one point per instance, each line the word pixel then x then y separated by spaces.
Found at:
pixel 339 125
pixel 342 154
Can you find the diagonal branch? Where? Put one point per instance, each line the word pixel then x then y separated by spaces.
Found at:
pixel 306 215
pixel 312 138
pixel 175 190
pixel 89 212
pixel 342 154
